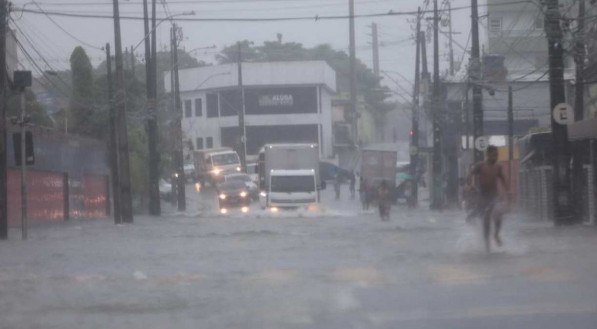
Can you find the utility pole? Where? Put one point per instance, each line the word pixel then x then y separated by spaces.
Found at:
pixel 375 43
pixel 132 60
pixel 24 197
pixel 178 145
pixel 3 126
pixel 510 135
pixel 353 77
pixel 126 205
pixel 467 119
pixel 561 154
pixel 425 78
pixel 437 166
pixel 414 134
pixel 113 142
pixel 579 104
pixel 451 54
pixel 152 125
pixel 579 58
pixel 241 112
pixel 475 75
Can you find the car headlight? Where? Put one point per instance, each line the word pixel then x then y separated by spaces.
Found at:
pixel 274 209
pixel 244 209
pixel 222 196
pixel 216 171
pixel 263 194
pixel 224 211
pixel 243 194
pixel 237 168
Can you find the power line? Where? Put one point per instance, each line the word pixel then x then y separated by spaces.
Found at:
pixel 257 19
pixel 64 30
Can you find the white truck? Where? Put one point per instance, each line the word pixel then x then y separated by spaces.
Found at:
pixel 288 175
pixel 211 165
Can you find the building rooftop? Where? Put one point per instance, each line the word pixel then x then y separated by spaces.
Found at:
pixel 256 74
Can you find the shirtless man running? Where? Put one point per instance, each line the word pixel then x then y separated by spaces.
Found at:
pixel 488 173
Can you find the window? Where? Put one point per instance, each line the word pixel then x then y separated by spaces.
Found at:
pixel 212 105
pixel 199 143
pixel 188 108
pixel 209 141
pixel 495 24
pixel 198 107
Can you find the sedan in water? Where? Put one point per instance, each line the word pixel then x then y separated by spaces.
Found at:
pixel 249 183
pixel 233 195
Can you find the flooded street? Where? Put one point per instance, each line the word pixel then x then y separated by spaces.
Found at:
pixel 343 268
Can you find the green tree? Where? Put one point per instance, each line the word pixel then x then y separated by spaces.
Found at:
pixel 82 113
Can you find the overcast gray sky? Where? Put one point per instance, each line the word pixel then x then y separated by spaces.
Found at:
pixel 47 33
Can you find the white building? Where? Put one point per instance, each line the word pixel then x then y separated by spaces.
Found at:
pixel 516 31
pixel 284 102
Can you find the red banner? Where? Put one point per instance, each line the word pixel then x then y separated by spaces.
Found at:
pixel 45 192
pixel 95 196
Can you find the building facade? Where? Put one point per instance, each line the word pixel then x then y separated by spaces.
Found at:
pixel 285 102
pixel 516 31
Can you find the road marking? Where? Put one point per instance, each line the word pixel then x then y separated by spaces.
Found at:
pixel 362 276
pixel 548 274
pixel 275 276
pixel 449 274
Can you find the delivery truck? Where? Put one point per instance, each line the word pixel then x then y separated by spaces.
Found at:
pixel 288 175
pixel 379 165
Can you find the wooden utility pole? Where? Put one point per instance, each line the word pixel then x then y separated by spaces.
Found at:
pixel 353 77
pixel 126 205
pixel 510 135
pixel 579 58
pixel 24 194
pixel 3 126
pixel 578 181
pixel 178 145
pixel 242 130
pixel 562 202
pixel 113 142
pixel 437 165
pixel 414 132
pixel 425 77
pixel 475 77
pixel 375 44
pixel 451 37
pixel 152 125
pixel 132 61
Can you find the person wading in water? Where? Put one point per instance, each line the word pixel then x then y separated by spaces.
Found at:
pixel 487 174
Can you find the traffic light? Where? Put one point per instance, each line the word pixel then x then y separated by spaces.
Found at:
pixel 16 142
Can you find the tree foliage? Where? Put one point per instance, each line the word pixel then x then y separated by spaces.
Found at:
pixel 83 114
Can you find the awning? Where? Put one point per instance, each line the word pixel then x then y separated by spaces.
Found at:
pixel 585 129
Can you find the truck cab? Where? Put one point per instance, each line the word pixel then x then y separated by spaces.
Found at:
pixel 212 165
pixel 288 175
pixel 292 188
